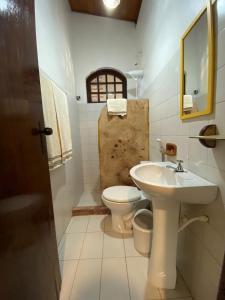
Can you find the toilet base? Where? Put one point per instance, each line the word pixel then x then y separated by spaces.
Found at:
pixel 120 225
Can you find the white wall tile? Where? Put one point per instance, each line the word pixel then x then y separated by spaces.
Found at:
pixel 220 87
pixel 202 250
pixel 197 152
pixel 220 48
pixel 202 275
pixel 155 128
pixel 220 14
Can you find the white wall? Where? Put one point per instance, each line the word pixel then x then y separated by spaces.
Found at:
pixel 89 114
pixel 161 24
pixel 54 55
pixel 98 42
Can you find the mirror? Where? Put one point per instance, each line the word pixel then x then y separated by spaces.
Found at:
pixel 197 66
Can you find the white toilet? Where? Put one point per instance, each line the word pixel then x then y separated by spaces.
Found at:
pixel 121 200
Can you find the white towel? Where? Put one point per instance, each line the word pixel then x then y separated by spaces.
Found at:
pixel 188 102
pixel 63 122
pixel 49 110
pixel 117 106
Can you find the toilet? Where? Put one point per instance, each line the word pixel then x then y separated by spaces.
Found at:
pixel 122 201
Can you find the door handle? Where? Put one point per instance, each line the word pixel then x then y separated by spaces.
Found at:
pixel 46 131
pixel 42 132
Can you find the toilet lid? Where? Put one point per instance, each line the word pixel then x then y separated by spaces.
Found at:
pixel 121 193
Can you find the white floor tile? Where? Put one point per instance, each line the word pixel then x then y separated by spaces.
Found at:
pixel 93 245
pixel 130 251
pixel 140 289
pixel 78 224
pixel 108 223
pixel 114 283
pixel 68 270
pixel 113 246
pixel 72 246
pixel 96 223
pixel 87 280
pixel 179 292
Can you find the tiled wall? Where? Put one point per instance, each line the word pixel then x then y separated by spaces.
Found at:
pixel 67 181
pixel 54 57
pixel 98 42
pixel 201 246
pixel 89 114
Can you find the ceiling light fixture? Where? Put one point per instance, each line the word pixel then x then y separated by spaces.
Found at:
pixel 111 4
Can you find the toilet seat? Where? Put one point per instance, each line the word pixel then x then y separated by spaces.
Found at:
pixel 121 194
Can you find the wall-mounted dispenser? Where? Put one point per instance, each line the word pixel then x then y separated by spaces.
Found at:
pixel 136 75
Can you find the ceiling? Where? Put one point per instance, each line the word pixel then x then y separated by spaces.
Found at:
pixel 128 10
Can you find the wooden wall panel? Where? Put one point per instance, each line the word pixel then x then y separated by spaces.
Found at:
pixel 123 143
pixel 128 10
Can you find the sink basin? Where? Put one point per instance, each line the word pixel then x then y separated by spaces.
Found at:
pixel 167 190
pixel 156 180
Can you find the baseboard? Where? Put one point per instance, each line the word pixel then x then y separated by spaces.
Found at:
pixel 90 210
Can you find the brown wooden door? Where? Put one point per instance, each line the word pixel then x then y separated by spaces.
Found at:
pixel 29 268
pixel 221 291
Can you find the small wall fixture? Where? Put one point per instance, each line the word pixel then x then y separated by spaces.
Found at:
pixel 171 149
pixel 137 76
pixel 208 136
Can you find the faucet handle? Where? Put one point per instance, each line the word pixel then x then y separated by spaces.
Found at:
pixel 179 167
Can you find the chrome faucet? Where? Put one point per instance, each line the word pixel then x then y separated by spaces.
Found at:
pixel 179 167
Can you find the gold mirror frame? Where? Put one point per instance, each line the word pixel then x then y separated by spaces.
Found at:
pixel 209 108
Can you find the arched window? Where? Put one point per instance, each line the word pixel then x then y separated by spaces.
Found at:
pixel 104 83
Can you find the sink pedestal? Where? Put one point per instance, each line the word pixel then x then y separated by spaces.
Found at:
pixel 162 265
pixel 167 189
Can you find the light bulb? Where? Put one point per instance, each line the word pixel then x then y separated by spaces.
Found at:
pixel 111 3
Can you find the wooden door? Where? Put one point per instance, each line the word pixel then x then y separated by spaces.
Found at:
pixel 29 268
pixel 221 291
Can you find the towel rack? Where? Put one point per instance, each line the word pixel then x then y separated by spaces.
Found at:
pixel 49 78
pixel 208 136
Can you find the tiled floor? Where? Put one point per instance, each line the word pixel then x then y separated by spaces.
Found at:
pixel 97 264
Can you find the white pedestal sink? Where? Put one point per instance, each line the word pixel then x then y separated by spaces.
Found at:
pixel 167 189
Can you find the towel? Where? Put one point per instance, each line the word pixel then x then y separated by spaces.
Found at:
pixel 62 113
pixel 188 102
pixel 117 106
pixel 50 118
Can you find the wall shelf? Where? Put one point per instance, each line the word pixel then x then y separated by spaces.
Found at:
pixel 211 137
pixel 208 136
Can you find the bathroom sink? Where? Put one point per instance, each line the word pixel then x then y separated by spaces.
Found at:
pixel 156 180
pixel 167 189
